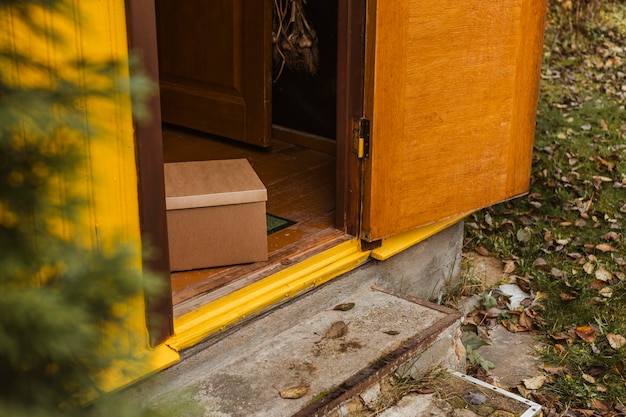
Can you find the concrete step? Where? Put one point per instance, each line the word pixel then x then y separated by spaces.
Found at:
pixel 244 373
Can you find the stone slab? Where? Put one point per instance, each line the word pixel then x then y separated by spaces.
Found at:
pixel 248 384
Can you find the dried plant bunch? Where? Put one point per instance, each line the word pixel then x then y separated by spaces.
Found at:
pixel 295 43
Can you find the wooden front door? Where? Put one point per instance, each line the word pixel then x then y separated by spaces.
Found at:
pixel 215 66
pixel 452 97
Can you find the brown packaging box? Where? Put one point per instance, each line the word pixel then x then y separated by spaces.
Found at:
pixel 215 214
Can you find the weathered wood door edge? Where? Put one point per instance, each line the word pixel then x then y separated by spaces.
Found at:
pixel 141 27
pixel 350 88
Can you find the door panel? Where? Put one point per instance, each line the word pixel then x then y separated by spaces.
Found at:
pixel 452 98
pixel 215 66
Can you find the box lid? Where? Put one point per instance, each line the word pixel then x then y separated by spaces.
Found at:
pixel 211 183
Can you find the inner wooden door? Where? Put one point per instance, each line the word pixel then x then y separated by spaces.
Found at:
pixel 215 66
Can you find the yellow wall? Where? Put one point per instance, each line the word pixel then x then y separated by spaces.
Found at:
pixel 95 30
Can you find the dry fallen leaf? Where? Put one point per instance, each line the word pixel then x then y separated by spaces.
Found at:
pixel 588 267
pixel 294 392
pixel 595 300
pixel 524 235
pixel 586 333
pixel 616 340
pixel 599 405
pixel 603 247
pixel 596 284
pixel 509 267
pixel 535 382
pixel 589 378
pixel 562 336
pixel 515 327
pixel 568 296
pixel 603 275
pixel 582 412
pixel 604 125
pixel 523 391
pixel 336 330
pixel 482 251
pixel 610 236
pixel 540 263
pixel 606 292
pixel 557 272
pixel 548 237
pixel 554 370
pixel 525 321
pixel 344 307
pixel 523 283
pixel 618 369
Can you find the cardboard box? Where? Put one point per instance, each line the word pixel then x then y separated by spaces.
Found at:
pixel 215 214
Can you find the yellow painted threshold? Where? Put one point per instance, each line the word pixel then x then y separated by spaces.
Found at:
pixel 149 362
pixel 213 317
pixel 216 316
pixel 396 244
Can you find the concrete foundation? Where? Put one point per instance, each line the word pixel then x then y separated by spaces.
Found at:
pixel 422 270
pixel 242 371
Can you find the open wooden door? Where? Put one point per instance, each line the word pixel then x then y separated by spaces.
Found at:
pixel 215 66
pixel 452 96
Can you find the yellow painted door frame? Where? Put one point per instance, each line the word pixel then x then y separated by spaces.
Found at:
pixel 216 316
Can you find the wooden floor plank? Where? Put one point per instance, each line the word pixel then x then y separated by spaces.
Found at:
pixel 211 284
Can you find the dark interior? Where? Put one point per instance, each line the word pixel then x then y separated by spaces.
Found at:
pixel 305 102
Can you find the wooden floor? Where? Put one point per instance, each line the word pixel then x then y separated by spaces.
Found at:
pixel 301 187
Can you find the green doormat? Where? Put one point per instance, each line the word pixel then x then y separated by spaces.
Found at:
pixel 275 223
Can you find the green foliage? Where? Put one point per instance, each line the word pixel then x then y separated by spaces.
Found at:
pixel 58 294
pixel 487 300
pixel 476 360
pixel 577 17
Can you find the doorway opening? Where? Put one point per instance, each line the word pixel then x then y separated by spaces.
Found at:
pixel 299 167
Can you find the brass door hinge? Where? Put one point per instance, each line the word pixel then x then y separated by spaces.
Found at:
pixel 361 137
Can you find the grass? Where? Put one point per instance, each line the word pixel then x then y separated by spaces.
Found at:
pixel 566 235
